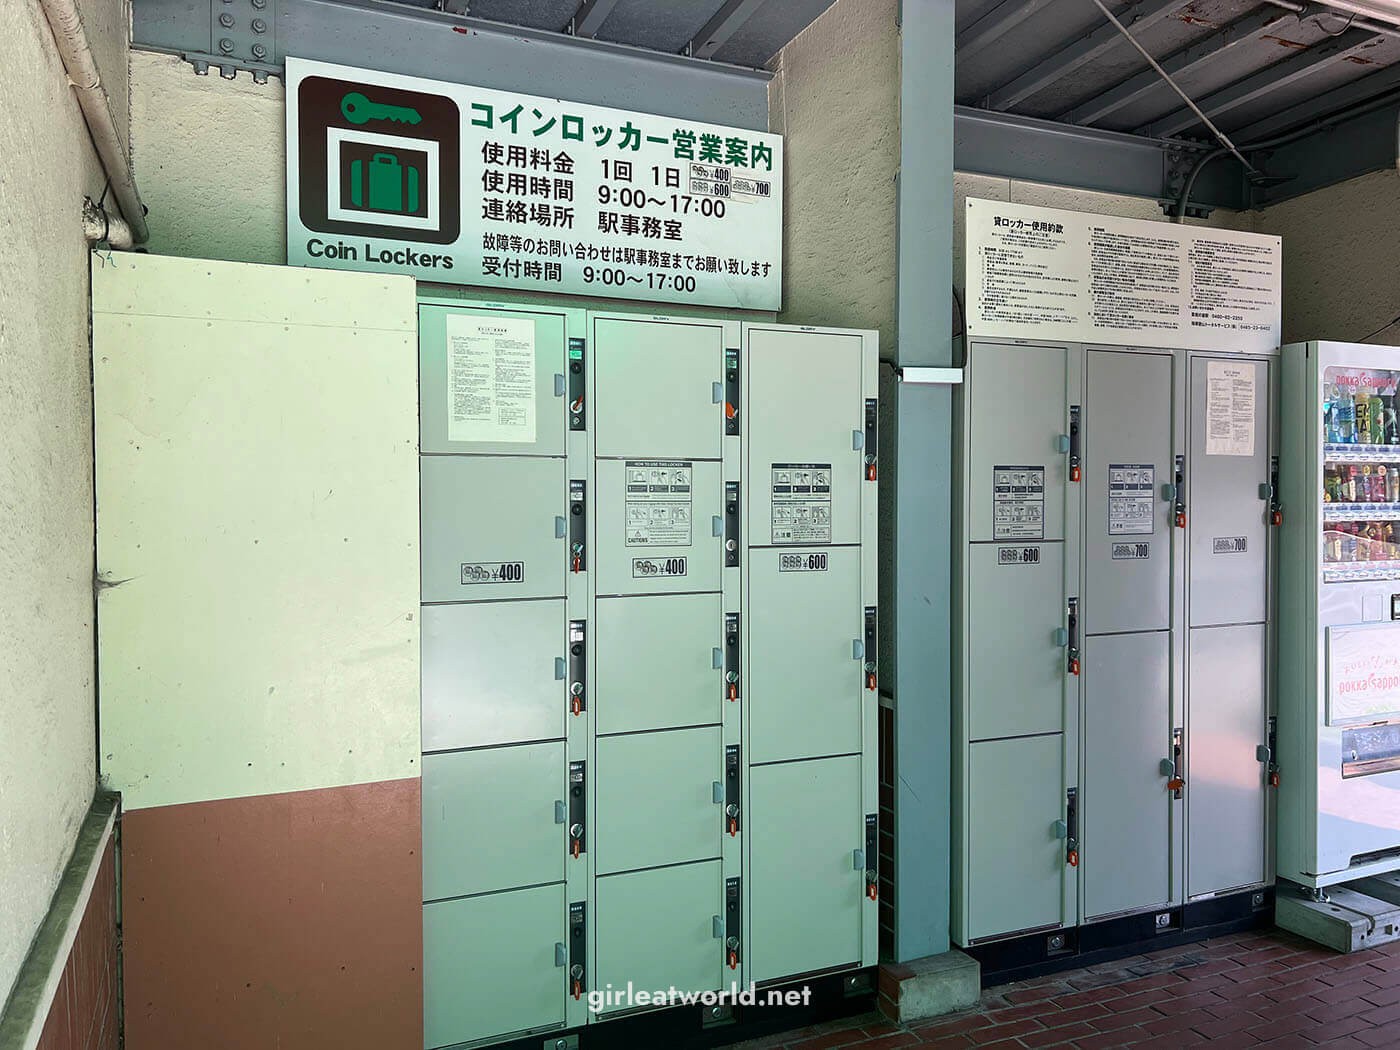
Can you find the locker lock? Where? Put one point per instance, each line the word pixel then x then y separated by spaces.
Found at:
pixel 732 677
pixel 870 681
pixel 872 884
pixel 731 811
pixel 576 698
pixel 576 835
pixel 576 980
pixel 731 946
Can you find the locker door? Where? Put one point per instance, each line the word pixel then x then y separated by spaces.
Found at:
pixel 490 819
pixel 1228 518
pixel 1016 668
pixel 489 673
pixel 487 380
pixel 1226 797
pixel 1016 863
pixel 655 799
pixel 657 526
pixel 655 665
pixel 804 403
pixel 657 928
pixel 489 965
pixel 656 385
pixel 1127 523
pixel 1125 807
pixel 1027 383
pixel 492 528
pixel 805 891
pixel 804 687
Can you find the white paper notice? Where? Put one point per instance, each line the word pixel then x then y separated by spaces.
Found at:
pixel 1230 408
pixel 490 379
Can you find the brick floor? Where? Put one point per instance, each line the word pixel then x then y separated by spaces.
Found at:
pixel 1264 989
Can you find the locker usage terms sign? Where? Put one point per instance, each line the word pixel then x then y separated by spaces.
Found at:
pixel 463 185
pixel 1044 273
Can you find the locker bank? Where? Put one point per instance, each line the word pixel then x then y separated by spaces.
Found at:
pixel 585 524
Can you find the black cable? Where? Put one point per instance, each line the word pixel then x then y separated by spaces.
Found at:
pixel 1389 324
pixel 962 325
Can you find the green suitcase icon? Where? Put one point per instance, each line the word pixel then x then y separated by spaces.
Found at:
pixel 393 187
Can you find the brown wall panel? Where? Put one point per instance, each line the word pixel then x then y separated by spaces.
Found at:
pixel 291 920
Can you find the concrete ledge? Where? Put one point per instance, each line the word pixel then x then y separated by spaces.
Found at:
pixel 929 987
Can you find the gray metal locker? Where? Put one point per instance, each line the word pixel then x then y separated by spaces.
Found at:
pixel 1019 421
pixel 659 388
pixel 658 799
pixel 805 680
pixel 488 372
pixel 493 965
pixel 655 663
pixel 659 526
pixel 1125 805
pixel 661 928
pixel 808 417
pixel 806 871
pixel 1228 512
pixel 491 673
pixel 492 528
pixel 493 819
pixel 1226 792
pixel 1017 860
pixel 1128 521
pixel 1015 605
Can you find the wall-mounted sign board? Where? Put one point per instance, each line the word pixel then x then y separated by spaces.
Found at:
pixel 1043 273
pixel 462 185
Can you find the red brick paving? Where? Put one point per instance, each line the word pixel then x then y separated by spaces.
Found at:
pixel 1263 989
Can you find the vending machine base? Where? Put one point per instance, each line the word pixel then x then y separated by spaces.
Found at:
pixel 1348 917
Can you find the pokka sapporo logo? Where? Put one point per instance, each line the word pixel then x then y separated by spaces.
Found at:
pixel 377 162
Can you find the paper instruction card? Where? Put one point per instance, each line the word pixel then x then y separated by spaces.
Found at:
pixel 490 379
pixel 1230 408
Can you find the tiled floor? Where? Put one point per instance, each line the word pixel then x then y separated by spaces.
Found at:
pixel 1252 989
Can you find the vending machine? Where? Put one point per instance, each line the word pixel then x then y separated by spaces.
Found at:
pixel 1338 763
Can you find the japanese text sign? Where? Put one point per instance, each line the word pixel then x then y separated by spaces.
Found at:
pixel 464 185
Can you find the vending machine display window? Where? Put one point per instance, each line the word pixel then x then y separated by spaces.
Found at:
pixel 1361 475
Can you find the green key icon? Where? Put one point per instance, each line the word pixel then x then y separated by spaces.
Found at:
pixel 360 110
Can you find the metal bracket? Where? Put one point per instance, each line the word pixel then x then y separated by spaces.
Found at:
pixel 245 31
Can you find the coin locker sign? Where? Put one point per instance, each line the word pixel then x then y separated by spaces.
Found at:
pixel 1043 273
pixel 463 185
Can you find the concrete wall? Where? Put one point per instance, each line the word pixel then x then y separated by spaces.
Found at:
pixel 47 718
pixel 1339 268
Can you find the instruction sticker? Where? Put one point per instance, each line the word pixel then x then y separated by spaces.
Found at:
pixel 1230 408
pixel 490 379
pixel 658 503
pixel 1018 503
pixel 801 503
pixel 1131 494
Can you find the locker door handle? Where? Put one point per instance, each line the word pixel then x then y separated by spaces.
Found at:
pixel 560 668
pixel 1062 443
pixel 716 393
pixel 1061 829
pixel 1168 492
pixel 561 527
pixel 857 439
pixel 717 659
pixel 857 649
pixel 561 956
pixel 1167 767
pixel 1061 637
pixel 857 860
pixel 717 793
pixel 717 925
pixel 559 387
pixel 716 525
pixel 560 811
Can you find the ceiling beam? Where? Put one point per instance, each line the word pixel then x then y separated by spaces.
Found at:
pixel 990 27
pixel 1140 85
pixel 1322 106
pixel 726 22
pixel 1137 16
pixel 590 16
pixel 1280 75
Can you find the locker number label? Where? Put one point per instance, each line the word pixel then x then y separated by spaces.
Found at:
pixel 1018 555
pixel 801 501
pixel 814 562
pixel 646 568
pixel 492 572
pixel 1229 545
pixel 1132 551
